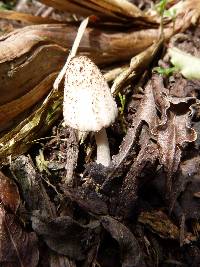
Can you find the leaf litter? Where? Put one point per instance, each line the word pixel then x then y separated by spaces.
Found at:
pixel 123 214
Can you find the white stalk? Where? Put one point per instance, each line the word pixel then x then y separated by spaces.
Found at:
pixel 103 150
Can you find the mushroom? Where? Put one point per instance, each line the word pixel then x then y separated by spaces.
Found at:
pixel 88 104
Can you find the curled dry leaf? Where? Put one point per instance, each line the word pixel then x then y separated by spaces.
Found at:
pixel 65 235
pixel 145 113
pixel 9 194
pixel 12 111
pixel 187 12
pixel 130 252
pixel 36 198
pixel 88 200
pixel 173 130
pixel 143 164
pixel 18 248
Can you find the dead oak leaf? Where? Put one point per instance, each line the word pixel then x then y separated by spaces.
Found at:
pixel 145 113
pixel 172 138
pixel 173 130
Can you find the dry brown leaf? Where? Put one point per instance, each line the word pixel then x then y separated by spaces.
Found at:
pixel 173 130
pixel 11 110
pixel 65 235
pixel 36 198
pixel 145 113
pixel 130 252
pixel 30 19
pixel 31 187
pixel 87 200
pixel 160 224
pixel 144 163
pixel 18 248
pixel 186 12
pixel 9 194
pixel 119 6
pixel 119 10
pixel 186 190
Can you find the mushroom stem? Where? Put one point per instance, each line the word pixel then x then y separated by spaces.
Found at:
pixel 103 150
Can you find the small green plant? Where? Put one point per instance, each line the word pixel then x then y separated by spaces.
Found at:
pixel 122 99
pixel 6 6
pixel 162 12
pixel 171 14
pixel 165 71
pixel 41 163
pixel 161 8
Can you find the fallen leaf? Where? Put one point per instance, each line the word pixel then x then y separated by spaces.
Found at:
pixel 146 112
pixel 31 187
pixel 173 130
pixel 144 164
pixel 120 10
pixel 160 224
pixel 86 199
pixel 28 18
pixel 130 252
pixel 188 183
pixel 36 198
pixel 18 248
pixel 65 235
pixel 9 194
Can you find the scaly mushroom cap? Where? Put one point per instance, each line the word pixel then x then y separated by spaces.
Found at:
pixel 88 103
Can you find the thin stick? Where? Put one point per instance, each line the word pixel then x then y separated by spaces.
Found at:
pixel 73 52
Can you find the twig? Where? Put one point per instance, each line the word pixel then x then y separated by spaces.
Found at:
pixel 73 52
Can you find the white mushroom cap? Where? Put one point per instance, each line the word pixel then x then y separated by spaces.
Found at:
pixel 88 103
